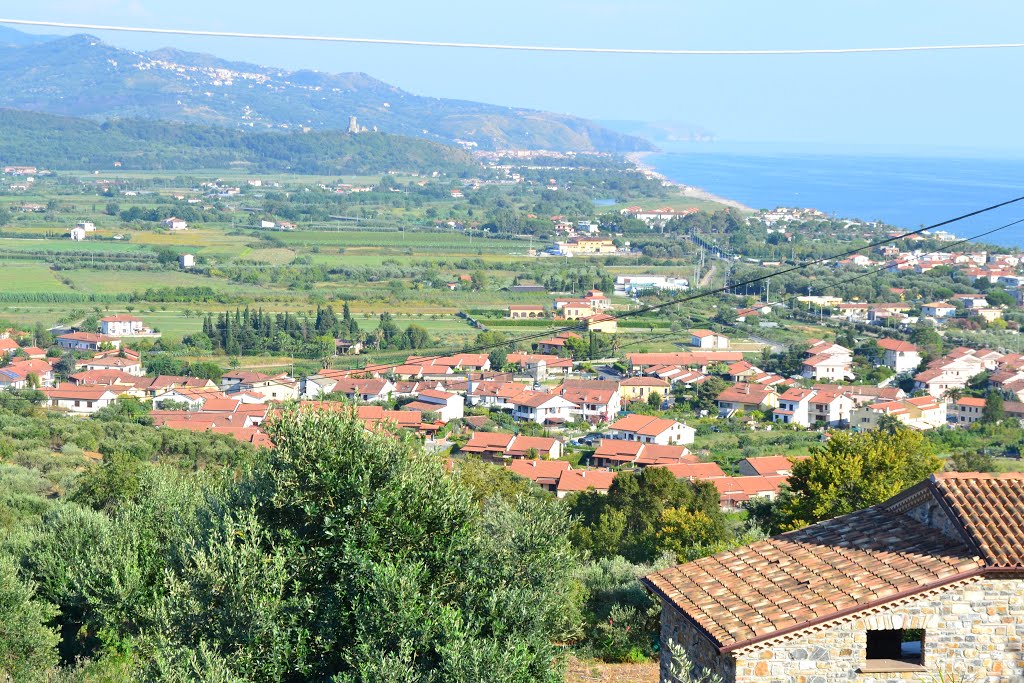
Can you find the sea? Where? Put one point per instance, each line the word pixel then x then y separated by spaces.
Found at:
pixel 904 190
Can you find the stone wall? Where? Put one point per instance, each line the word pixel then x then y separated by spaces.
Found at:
pixel 974 628
pixel 703 653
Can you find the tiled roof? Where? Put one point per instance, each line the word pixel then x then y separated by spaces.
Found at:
pixel 581 480
pixel 645 425
pixel 991 510
pixel 896 345
pixel 694 470
pixel 539 469
pixel 849 563
pixel 771 464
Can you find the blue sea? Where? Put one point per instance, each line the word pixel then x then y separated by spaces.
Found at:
pixel 906 191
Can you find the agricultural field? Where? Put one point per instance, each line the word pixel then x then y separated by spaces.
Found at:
pixel 21 277
pixel 399 251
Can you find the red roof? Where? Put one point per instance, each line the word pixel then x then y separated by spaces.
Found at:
pixel 535 470
pixel 896 345
pixel 582 480
pixel 695 470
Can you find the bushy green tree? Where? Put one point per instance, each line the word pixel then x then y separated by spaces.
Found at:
pixel 28 646
pixel 647 513
pixel 850 472
pixel 350 556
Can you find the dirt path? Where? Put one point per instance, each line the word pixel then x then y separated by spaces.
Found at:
pixel 589 671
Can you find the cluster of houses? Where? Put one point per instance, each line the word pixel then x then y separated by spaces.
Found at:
pixel 759 477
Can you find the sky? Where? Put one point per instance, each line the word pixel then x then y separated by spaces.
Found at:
pixel 969 100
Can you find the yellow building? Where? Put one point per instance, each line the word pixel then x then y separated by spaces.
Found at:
pixel 602 323
pixel 640 388
pixel 591 245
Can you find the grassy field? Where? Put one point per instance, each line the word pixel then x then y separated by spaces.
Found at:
pixel 29 277
pixel 113 281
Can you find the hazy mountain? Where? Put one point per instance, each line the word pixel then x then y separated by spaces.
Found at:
pixel 666 134
pixel 82 76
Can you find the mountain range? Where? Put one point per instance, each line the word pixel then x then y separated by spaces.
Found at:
pixel 84 77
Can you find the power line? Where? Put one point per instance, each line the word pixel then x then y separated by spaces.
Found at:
pixel 859 276
pixel 511 47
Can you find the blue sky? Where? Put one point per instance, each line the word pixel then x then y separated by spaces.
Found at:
pixel 952 99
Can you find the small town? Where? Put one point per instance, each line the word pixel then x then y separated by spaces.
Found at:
pixel 658 342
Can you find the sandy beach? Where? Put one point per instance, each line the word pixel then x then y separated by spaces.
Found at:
pixel 638 159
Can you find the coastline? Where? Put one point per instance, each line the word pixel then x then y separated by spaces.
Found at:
pixel 638 159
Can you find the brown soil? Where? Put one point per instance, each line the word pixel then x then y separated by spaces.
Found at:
pixel 590 671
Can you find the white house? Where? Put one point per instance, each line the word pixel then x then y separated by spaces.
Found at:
pixel 447 405
pixel 84 399
pixel 707 339
pixel 794 407
pixel 900 356
pixel 122 325
pixel 86 341
pixel 85 225
pixel 938 309
pixel 187 261
pixel 647 429
pixel 541 408
pixel 173 223
pixel 825 366
pixel 77 234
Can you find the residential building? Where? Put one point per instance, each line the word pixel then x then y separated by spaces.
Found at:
pixel 86 341
pixel 602 322
pixel 544 473
pixel 928 581
pixel 617 452
pixel 794 407
pixel 827 361
pixel 122 325
pixel 938 309
pixel 736 492
pixel 899 356
pixel 967 410
pixel 498 447
pixel 128 364
pixel 922 413
pixel 639 362
pixel 173 223
pixel 573 481
pixel 640 388
pixel 542 408
pixel 18 375
pixel 447 405
pixel 655 430
pixel 767 466
pixel 84 400
pixel 830 408
pixel 707 339
pixel 518 312
pixel 594 401
pixel 746 397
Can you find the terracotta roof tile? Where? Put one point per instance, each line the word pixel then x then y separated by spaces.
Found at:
pixel 787 582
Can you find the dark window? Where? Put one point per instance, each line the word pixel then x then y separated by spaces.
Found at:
pixel 898 645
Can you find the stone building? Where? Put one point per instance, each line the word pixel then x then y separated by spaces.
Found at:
pixel 930 582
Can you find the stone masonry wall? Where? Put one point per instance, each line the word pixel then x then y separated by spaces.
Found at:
pixel 975 629
pixel 703 653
